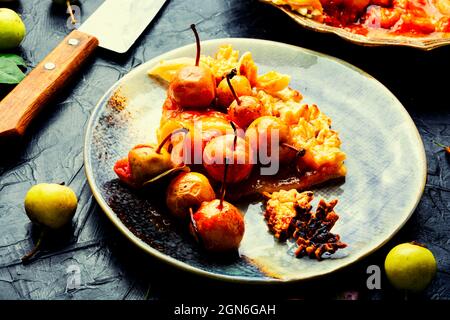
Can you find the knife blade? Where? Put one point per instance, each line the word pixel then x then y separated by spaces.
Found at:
pixel 115 25
pixel 118 23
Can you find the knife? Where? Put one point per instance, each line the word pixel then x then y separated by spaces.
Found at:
pixel 115 26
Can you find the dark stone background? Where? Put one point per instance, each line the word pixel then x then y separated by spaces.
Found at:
pixel 111 267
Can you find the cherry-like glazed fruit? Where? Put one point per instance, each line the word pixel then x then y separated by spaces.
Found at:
pixel 188 190
pixel 263 130
pixel 245 109
pixel 241 86
pixel 204 130
pixel 218 226
pixel 147 162
pixel 143 163
pixel 193 86
pixel 232 150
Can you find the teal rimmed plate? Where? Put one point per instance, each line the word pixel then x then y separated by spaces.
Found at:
pixel 385 161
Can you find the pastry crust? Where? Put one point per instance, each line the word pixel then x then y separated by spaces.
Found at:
pixel 310 129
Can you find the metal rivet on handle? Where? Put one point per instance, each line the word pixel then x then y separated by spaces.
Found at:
pixel 74 42
pixel 49 66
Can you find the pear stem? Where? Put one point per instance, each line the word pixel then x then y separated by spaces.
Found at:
pixel 183 168
pixel 36 248
pixel 266 194
pixel 229 77
pixel 439 144
pixel 233 125
pixel 446 148
pixel 225 170
pixel 223 189
pixel 69 8
pixel 418 244
pixel 164 141
pixel 197 41
pixel 147 294
pixel 300 152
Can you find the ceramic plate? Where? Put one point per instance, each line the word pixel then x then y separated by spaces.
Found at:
pixel 375 39
pixel 386 166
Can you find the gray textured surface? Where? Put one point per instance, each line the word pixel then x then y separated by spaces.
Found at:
pixel 111 268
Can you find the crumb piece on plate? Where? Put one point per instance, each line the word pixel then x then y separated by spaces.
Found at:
pixel 117 101
pixel 289 215
pixel 283 207
pixel 312 232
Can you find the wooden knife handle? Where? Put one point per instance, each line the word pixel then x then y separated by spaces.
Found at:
pixel 24 102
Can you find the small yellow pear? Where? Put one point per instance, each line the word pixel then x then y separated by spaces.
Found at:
pixel 12 29
pixel 410 267
pixel 51 205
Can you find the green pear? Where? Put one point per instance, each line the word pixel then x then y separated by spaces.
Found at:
pixel 50 205
pixel 410 267
pixel 12 29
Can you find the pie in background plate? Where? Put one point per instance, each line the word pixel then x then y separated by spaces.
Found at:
pixel 423 24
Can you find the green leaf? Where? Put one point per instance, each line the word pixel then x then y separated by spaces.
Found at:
pixel 18 60
pixel 10 73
